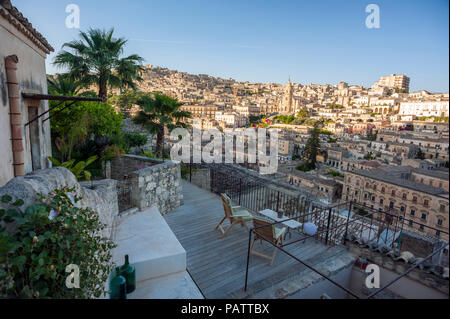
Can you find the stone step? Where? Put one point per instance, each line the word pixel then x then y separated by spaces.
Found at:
pixel 174 286
pixel 150 244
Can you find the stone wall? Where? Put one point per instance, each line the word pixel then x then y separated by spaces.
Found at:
pixel 125 165
pixel 153 181
pixel 100 196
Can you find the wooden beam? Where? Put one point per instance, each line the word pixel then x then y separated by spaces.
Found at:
pixel 35 96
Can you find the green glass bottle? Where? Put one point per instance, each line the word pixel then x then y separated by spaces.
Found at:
pixel 118 286
pixel 129 272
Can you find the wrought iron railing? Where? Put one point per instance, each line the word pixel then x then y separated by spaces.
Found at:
pixel 336 223
pixel 335 283
pixel 363 222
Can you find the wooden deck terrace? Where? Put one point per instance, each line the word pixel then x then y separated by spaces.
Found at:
pixel 218 265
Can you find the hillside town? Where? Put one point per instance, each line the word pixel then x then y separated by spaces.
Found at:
pixel 387 101
pixel 384 146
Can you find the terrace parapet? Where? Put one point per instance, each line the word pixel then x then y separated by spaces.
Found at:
pixel 151 181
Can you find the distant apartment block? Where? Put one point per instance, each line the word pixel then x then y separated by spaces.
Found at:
pixel 396 82
pixel 231 119
pixel 425 108
pixel 413 193
pixel 206 111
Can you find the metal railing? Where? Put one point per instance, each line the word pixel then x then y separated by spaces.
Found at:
pixel 368 224
pixel 281 248
pixel 325 233
pixel 407 271
pixel 335 223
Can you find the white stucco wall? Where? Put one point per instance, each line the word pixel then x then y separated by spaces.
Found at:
pixel 31 75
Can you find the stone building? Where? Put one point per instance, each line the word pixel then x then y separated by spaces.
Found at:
pixel 352 164
pixel 425 108
pixel 328 188
pixel 335 155
pixel 230 119
pixel 394 82
pixel 363 128
pixel 287 102
pixel 401 190
pixel 285 149
pixel 433 147
pixel 201 111
pixel 23 50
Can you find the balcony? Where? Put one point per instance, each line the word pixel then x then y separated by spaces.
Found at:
pixel 218 265
pixel 302 264
pixel 182 255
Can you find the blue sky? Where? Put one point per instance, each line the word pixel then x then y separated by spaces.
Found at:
pixel 314 41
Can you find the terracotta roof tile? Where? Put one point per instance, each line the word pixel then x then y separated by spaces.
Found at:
pixel 12 14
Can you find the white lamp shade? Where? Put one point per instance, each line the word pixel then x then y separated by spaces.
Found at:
pixel 310 229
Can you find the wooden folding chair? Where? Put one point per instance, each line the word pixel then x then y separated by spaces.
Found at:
pixel 235 214
pixel 270 232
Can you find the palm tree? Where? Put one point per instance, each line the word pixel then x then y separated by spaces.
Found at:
pixel 128 72
pixel 62 84
pixel 159 112
pixel 95 60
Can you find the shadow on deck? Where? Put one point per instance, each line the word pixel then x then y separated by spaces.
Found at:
pixel 218 265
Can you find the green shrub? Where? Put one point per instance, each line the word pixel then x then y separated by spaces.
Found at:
pixel 43 240
pixel 335 106
pixel 166 154
pixel 184 171
pixel 325 132
pixel 335 173
pixel 361 212
pixel 78 169
pixel 332 140
pixel 104 119
pixel 134 139
pixel 148 153
pixel 125 100
pixel 112 151
pixel 303 168
pixel 75 127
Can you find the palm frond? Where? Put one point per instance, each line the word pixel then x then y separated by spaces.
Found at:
pixel 96 58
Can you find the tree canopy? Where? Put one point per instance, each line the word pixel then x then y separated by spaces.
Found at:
pixel 312 148
pixel 95 59
pixel 160 111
